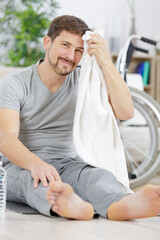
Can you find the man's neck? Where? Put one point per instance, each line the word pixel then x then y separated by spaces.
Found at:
pixel 49 77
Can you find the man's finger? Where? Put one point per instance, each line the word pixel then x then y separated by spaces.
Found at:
pixel 91 52
pixel 50 178
pixel 95 38
pixel 56 175
pixel 35 183
pixel 44 182
pixel 93 46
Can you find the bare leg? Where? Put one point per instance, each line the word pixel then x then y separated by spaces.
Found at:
pixel 68 204
pixel 144 203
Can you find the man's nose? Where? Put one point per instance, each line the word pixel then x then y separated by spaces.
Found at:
pixel 71 54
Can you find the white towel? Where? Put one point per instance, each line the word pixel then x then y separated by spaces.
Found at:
pixel 95 132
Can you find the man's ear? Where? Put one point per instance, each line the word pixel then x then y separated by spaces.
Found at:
pixel 47 42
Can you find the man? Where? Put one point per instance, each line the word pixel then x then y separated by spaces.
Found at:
pixel 37 110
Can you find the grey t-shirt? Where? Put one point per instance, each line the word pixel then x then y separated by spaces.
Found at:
pixel 46 118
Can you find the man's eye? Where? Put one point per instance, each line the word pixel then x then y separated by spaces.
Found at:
pixel 79 51
pixel 65 44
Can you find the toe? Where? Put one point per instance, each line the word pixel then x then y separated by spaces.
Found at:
pixel 56 186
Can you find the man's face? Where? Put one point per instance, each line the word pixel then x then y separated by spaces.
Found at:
pixel 65 52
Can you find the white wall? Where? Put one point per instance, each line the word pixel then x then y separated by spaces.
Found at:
pixel 109 13
pixel 100 14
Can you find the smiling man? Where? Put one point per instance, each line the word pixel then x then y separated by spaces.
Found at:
pixel 62 56
pixel 64 45
pixel 37 107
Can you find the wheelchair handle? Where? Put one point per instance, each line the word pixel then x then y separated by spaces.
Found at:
pixel 149 41
pixel 141 49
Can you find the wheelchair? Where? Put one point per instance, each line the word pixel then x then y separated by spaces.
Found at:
pixel 140 135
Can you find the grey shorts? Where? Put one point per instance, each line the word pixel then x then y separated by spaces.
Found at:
pixel 95 185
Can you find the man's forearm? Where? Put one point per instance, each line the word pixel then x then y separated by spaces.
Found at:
pixel 16 152
pixel 119 95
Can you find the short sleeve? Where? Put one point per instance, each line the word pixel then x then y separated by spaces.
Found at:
pixel 11 92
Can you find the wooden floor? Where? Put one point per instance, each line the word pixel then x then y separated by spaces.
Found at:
pixel 31 227
pixel 18 226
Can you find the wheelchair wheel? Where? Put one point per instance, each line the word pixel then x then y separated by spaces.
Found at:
pixel 141 142
pixel 152 105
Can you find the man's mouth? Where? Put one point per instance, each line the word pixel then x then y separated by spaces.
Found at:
pixel 66 61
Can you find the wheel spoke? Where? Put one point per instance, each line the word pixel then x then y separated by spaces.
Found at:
pixel 140 139
pixel 136 148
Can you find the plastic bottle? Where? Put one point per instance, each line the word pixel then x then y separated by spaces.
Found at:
pixel 2 191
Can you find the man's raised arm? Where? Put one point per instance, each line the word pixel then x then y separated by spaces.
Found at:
pixel 119 95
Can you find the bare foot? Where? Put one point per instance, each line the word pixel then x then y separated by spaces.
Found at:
pixel 68 204
pixel 144 203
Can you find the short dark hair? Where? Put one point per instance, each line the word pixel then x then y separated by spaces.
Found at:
pixel 66 23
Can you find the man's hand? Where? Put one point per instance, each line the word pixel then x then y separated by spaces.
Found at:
pixel 98 46
pixel 44 172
